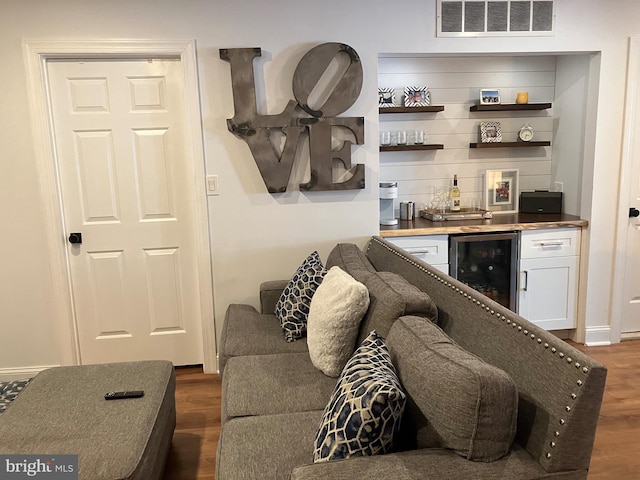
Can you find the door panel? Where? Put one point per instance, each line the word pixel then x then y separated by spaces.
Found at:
pixel 122 165
pixel 631 284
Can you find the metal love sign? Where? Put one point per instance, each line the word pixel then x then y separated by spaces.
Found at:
pixel 298 118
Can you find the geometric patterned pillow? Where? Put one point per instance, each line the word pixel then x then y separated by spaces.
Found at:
pixel 365 410
pixel 292 308
pixel 9 391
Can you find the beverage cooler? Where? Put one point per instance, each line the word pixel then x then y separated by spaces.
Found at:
pixel 487 263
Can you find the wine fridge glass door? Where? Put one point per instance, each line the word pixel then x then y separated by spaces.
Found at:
pixel 487 263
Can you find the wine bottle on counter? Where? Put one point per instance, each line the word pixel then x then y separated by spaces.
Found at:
pixel 454 195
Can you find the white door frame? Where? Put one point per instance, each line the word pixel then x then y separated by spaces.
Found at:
pixel 624 186
pixel 36 54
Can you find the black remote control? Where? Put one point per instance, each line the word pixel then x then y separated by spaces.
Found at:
pixel 119 395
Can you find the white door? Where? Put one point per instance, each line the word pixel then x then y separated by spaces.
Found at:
pixel 630 259
pixel 121 158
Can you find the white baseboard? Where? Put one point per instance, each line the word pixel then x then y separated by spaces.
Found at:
pixel 21 373
pixel 598 336
pixel 630 336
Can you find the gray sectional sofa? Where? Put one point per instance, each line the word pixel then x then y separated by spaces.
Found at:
pixel 488 394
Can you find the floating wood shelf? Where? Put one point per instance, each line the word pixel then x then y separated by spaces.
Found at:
pixel 510 144
pixel 430 108
pixel 406 148
pixel 509 106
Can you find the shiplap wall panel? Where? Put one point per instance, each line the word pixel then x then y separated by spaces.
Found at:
pixel 455 83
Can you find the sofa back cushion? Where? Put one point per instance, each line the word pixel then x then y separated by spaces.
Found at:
pixel 391 296
pixel 455 399
pixel 350 258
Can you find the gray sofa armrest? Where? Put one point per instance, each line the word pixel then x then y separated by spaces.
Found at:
pixel 270 293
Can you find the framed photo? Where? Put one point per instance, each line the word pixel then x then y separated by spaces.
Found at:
pixel 386 97
pixel 501 191
pixel 490 132
pixel 489 96
pixel 416 97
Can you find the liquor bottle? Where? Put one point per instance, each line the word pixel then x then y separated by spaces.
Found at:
pixel 454 195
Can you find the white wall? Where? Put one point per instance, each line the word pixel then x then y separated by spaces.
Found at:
pixel 256 236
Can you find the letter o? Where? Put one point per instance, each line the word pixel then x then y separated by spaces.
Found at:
pixel 310 70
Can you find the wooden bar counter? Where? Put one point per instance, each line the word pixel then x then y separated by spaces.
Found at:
pixel 499 223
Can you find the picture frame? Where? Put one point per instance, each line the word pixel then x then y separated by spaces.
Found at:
pixel 489 96
pixel 501 190
pixel 416 97
pixel 490 132
pixel 386 97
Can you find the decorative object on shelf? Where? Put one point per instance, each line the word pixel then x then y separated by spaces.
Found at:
pixel 416 97
pixel 454 195
pixel 501 190
pixel 526 133
pixel 386 97
pixel 489 96
pixel 385 138
pixel 464 214
pixel 522 98
pixel 417 137
pixel 490 132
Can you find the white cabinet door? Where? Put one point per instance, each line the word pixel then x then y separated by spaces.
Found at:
pixel 548 278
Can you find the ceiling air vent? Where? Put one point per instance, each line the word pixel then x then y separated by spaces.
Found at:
pixel 475 18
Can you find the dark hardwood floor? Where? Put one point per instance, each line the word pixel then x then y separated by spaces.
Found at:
pixel 616 453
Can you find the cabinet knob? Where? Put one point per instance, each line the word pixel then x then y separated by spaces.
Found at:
pixel 634 212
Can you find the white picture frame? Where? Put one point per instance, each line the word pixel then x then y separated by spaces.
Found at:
pixel 490 132
pixel 501 190
pixel 386 97
pixel 416 97
pixel 489 96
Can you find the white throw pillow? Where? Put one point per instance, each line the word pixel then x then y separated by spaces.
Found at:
pixel 337 308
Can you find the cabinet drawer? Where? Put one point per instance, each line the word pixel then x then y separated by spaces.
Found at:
pixel 433 249
pixel 559 242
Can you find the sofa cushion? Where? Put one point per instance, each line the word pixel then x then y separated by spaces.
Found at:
pixel 247 332
pixel 335 314
pixel 365 409
pixel 271 384
pixel 265 446
pixel 292 308
pixel 456 400
pixel 391 296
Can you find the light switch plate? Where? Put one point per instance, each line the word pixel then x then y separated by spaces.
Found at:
pixel 212 185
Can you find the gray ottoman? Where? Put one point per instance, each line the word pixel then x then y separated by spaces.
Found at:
pixel 63 411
